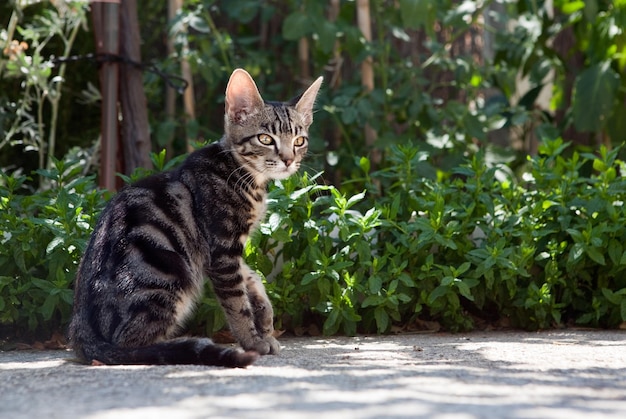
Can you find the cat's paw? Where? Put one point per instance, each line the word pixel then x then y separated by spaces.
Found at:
pixel 267 346
pixel 261 346
pixel 274 345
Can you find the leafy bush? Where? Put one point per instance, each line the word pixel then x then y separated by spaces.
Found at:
pixel 478 245
pixel 542 252
pixel 43 236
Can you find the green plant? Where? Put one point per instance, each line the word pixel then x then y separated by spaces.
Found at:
pixel 30 61
pixel 43 235
pixel 537 252
pixel 542 251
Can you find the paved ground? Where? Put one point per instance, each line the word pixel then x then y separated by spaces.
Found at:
pixel 559 374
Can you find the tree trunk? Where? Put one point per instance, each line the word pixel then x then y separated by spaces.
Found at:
pixel 105 17
pixel 189 101
pixel 303 58
pixel 170 93
pixel 334 82
pixel 135 128
pixel 564 43
pixel 367 73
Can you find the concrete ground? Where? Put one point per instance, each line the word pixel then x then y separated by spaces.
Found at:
pixel 557 374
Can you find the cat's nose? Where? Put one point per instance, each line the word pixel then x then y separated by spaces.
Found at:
pixel 287 158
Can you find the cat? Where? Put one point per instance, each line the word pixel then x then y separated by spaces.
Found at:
pixel 157 239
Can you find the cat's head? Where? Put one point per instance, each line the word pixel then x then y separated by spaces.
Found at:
pixel 268 138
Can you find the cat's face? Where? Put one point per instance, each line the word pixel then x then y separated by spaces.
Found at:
pixel 269 138
pixel 275 143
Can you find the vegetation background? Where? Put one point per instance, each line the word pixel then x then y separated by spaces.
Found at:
pixel 466 166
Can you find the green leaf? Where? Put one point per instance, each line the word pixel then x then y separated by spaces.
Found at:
pixel 446 281
pixel 438 292
pixel 373 300
pixel 623 309
pixel 570 7
pixel 464 290
pixel 364 163
pixel 445 241
pixel 415 13
pixel 473 127
pixel 54 244
pixel 594 97
pixel 576 252
pixel 622 260
pixel 18 256
pixel 595 255
pixel 615 251
pixel 326 33
pixel 199 24
pixel 296 25
pixel 463 268
pixel 599 165
pixel 611 296
pixel 309 277
pixel 354 199
pixel 332 323
pixel 382 319
pixel 375 284
pixel 243 10
pixel 67 295
pixel 48 306
pixel 323 285
pixel 42 284
pixel 576 235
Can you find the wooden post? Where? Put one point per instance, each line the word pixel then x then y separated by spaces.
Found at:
pixel 303 57
pixel 189 101
pixel 170 93
pixel 367 72
pixel 105 14
pixel 135 142
pixel 334 132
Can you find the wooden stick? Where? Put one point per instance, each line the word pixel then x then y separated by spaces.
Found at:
pixel 106 28
pixel 136 142
pixel 367 71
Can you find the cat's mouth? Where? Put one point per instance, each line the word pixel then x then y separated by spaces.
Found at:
pixel 279 170
pixel 283 172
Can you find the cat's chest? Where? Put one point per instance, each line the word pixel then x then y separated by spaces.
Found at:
pixel 256 213
pixel 259 207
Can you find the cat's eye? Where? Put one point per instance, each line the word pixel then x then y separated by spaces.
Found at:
pixel 299 141
pixel 265 139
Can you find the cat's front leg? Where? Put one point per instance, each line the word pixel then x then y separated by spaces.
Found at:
pixel 261 307
pixel 229 278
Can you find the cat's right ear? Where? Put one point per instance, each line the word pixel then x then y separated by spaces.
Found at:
pixel 304 103
pixel 242 97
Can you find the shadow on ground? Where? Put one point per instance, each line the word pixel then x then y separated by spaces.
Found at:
pixel 513 375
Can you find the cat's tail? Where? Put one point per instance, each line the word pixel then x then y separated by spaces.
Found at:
pixel 200 351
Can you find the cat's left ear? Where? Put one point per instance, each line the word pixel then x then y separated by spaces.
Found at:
pixel 304 104
pixel 242 97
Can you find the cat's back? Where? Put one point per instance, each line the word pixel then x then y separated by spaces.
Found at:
pixel 171 197
pixel 181 210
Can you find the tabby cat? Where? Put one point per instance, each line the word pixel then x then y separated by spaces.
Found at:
pixel 158 238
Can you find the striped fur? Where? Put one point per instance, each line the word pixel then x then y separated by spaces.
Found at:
pixel 157 240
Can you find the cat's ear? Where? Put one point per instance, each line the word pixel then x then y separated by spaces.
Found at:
pixel 242 97
pixel 304 104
